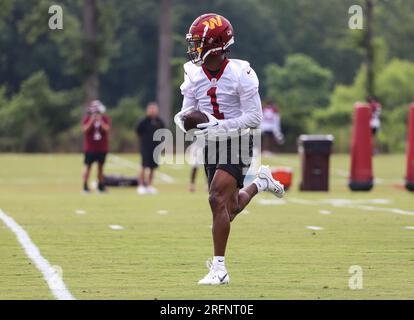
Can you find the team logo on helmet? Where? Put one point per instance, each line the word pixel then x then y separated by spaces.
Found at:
pixel 213 22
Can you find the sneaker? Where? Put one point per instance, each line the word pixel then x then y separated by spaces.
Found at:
pixel 101 188
pixel 152 190
pixel 273 185
pixel 141 190
pixel 86 188
pixel 216 275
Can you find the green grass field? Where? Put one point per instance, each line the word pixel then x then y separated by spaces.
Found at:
pixel 271 253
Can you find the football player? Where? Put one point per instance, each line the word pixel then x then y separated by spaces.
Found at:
pixel 226 90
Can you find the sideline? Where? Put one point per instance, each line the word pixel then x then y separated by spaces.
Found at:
pixel 50 273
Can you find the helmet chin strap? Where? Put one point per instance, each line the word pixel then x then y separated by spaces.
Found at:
pixel 203 59
pixel 228 44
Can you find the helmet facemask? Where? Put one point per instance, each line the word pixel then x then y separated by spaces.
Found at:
pixel 194 49
pixel 197 52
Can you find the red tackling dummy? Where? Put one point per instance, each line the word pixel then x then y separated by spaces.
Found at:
pixel 361 150
pixel 409 178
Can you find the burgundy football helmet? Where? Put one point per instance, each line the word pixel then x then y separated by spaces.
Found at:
pixel 209 34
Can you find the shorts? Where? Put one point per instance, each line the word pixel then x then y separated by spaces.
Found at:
pixel 236 162
pixel 148 158
pixel 91 157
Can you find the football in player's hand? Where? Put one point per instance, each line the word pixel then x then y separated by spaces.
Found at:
pixel 193 118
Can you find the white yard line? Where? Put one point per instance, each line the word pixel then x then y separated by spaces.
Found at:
pixel 53 280
pixel 116 227
pixel 270 202
pixel 325 212
pixel 132 165
pixel 377 180
pixel 314 228
pixel 390 210
pixel 166 178
pixel 123 162
pixel 354 204
pixel 343 203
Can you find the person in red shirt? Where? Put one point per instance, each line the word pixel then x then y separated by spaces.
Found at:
pixel 95 127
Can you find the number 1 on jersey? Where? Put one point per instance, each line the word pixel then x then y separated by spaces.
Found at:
pixel 216 112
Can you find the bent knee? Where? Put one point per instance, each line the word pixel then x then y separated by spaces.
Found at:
pixel 217 200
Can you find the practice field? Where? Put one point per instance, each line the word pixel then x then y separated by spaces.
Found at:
pixel 159 245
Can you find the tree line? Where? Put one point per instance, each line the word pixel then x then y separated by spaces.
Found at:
pixel 130 52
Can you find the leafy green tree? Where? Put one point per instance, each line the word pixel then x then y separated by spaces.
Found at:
pixel 395 23
pixel 395 83
pixel 300 83
pixel 133 70
pixel 31 120
pixel 297 87
pixel 267 33
pixel 124 119
pixel 395 90
pixel 87 44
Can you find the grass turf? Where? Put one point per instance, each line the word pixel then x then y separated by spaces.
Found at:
pixel 271 254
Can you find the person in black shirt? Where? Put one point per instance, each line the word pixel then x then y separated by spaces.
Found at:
pixel 145 130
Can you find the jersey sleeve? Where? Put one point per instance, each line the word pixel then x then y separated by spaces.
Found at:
pixel 187 90
pixel 248 84
pixel 250 102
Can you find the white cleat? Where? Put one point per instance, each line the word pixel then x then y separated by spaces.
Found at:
pixel 216 276
pixel 152 190
pixel 141 190
pixel 273 185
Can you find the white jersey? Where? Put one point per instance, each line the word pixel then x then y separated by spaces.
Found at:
pixel 232 95
pixel 271 120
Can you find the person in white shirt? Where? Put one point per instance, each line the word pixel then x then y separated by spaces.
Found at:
pixel 376 108
pixel 227 92
pixel 270 127
pixel 375 122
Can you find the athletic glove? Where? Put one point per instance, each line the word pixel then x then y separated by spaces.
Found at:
pixel 178 118
pixel 212 128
